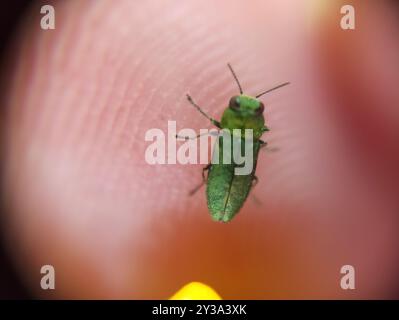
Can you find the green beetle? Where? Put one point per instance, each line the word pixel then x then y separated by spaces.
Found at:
pixel 226 191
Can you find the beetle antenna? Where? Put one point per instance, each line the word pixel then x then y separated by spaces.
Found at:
pixel 279 86
pixel 235 77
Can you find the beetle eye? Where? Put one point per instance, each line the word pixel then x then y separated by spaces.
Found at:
pixel 261 108
pixel 234 103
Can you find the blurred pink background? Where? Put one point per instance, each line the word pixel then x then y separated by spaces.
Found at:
pixel 79 195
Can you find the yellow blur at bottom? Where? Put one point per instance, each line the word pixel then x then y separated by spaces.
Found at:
pixel 196 291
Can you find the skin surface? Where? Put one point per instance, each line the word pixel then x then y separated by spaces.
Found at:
pixel 80 196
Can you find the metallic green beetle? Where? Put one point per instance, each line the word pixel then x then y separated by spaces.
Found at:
pixel 226 192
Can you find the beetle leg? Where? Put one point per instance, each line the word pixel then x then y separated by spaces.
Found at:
pixel 255 198
pixel 262 143
pixel 255 181
pixel 197 136
pixel 264 129
pixel 196 106
pixel 206 168
pixel 193 191
pixel 190 138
